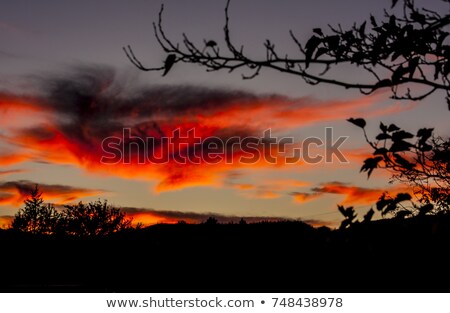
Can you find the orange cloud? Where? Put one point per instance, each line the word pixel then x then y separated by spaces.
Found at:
pixel 85 117
pixel 269 189
pixel 304 196
pixel 13 158
pixel 15 192
pixel 353 195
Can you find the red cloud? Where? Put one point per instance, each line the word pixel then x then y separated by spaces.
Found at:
pixel 83 110
pixel 13 158
pixel 353 194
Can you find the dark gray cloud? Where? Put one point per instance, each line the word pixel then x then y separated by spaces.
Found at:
pixel 15 192
pixel 194 217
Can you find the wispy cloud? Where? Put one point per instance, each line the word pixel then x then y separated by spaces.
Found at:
pixel 151 217
pixel 15 192
pixel 268 189
pixel 9 172
pixel 353 195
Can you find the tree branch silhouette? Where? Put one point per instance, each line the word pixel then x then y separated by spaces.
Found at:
pixel 423 164
pixel 398 52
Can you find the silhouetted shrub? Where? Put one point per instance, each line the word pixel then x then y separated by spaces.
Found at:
pixel 93 219
pixel 36 217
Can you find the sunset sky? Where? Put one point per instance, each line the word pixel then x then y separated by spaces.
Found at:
pixel 66 85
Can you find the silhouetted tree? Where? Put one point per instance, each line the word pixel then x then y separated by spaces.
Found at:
pixel 211 221
pixel 421 161
pixel 242 222
pixel 36 217
pixel 94 219
pixel 400 51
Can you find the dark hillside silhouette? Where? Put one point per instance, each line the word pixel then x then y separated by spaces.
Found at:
pixel 392 255
pixel 380 256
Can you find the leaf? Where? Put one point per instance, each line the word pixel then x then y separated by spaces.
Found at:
pixel 320 51
pixel 310 47
pixel 380 151
pixel 400 135
pixel 426 209
pixel 390 207
pixel 168 63
pixel 399 146
pixel 332 42
pixel 394 2
pixel 342 210
pixel 362 30
pixel 425 133
pixel 402 197
pixel 370 164
pixel 382 136
pixel 360 122
pixel 382 202
pixel 399 72
pixel 350 213
pixel 418 17
pixel 413 63
pixel 393 128
pixel 437 70
pixel 396 54
pixel 318 31
pixel 368 216
pixel 373 21
pixel 392 24
pixel 211 43
pixel 383 127
pixel 403 162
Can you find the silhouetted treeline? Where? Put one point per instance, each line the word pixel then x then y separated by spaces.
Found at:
pixel 83 219
pixel 410 255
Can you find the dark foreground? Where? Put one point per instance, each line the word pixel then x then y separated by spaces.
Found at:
pixel 385 256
